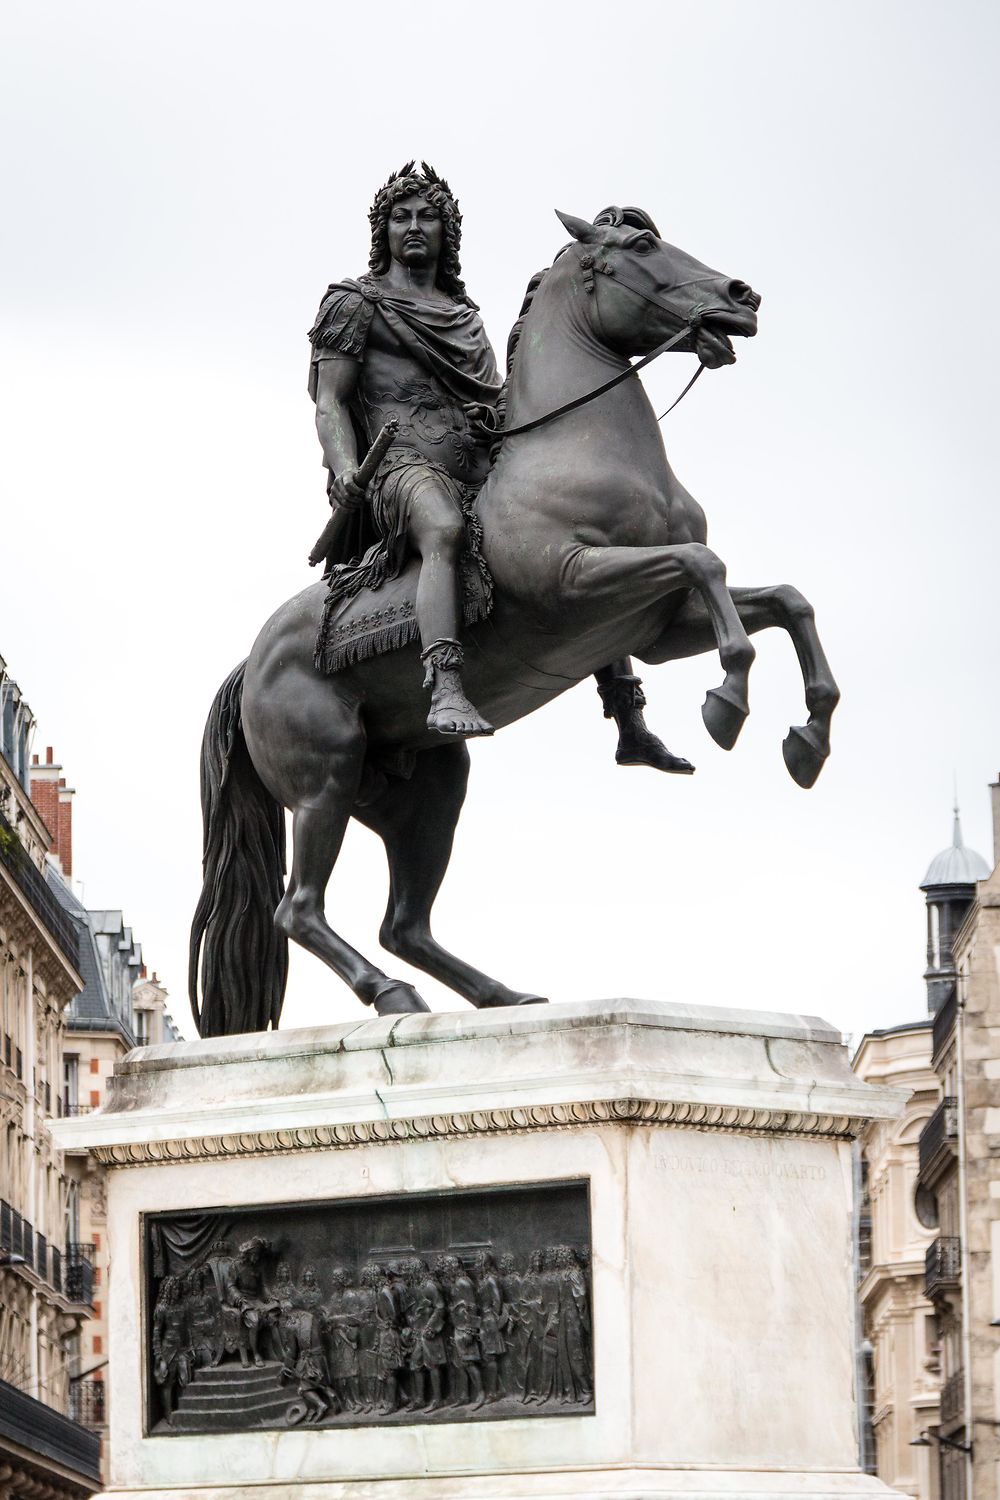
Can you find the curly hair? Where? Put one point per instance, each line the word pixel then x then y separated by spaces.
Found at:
pixel 436 190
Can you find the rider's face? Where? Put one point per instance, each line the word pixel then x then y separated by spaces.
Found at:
pixel 415 232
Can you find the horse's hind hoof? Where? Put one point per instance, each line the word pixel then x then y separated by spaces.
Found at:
pixel 724 717
pixel 508 999
pixel 804 756
pixel 399 999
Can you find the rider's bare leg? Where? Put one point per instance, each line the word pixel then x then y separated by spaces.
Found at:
pixel 806 747
pixel 436 532
pixel 649 573
pixel 623 699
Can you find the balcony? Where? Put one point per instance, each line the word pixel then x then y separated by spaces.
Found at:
pixel 15 1232
pixel 87 1404
pixel 938 1142
pixel 942 1265
pixel 34 888
pixel 864 1245
pixel 944 1023
pixel 71 1275
pixel 7 1227
pixel 78 1274
pixel 953 1398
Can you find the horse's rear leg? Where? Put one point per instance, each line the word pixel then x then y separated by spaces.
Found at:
pixel 318 827
pixel 806 746
pixel 416 821
pixel 644 574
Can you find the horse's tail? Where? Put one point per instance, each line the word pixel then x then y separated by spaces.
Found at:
pixel 241 956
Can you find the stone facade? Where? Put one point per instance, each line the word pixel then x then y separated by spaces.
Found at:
pixel 900 1332
pixel 967 1061
pixel 44 1291
pixel 118 1009
pixel 945 1198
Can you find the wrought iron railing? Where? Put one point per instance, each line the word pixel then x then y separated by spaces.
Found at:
pixel 42 1256
pixel 33 885
pixel 940 1131
pixel 78 1273
pixel 942 1263
pixel 944 1022
pixel 87 1403
pixel 864 1245
pixel 953 1396
pixel 57 1275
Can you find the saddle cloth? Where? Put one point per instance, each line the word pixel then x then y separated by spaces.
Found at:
pixel 376 620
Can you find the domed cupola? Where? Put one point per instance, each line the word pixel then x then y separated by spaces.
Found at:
pixel 950 885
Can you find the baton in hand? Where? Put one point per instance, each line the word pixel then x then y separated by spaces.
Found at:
pixel 363 478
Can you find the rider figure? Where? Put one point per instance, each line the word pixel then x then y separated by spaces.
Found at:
pixel 406 341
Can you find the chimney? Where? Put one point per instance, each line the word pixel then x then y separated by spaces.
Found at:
pixel 54 801
pixel 995 800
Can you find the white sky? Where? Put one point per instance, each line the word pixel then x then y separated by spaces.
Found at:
pixel 181 180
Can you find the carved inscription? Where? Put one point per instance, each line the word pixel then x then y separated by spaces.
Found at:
pixel 446 1307
pixel 779 1171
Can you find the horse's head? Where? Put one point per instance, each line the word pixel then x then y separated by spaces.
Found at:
pixel 643 290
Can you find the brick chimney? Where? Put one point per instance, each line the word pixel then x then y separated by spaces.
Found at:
pixel 54 800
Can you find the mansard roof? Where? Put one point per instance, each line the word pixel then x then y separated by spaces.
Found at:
pixel 93 1009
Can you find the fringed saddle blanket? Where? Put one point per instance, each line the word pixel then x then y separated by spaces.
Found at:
pixel 358 620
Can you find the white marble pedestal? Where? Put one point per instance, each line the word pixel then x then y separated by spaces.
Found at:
pixel 716 1144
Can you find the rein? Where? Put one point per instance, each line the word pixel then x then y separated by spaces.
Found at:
pixel 693 319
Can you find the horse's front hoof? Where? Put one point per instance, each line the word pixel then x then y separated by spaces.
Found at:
pixel 724 717
pixel 399 999
pixel 804 756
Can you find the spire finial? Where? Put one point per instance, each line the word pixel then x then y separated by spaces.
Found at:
pixel 956 834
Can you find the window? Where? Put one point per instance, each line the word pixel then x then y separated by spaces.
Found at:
pixel 71 1083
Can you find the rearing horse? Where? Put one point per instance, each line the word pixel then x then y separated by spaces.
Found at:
pixel 596 551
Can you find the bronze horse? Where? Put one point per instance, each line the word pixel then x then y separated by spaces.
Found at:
pixel 597 552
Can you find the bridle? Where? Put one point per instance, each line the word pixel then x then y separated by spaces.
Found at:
pixel 692 321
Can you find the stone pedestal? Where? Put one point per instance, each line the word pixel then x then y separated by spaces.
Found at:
pixel 714 1146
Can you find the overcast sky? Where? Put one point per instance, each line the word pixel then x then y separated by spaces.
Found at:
pixel 181 182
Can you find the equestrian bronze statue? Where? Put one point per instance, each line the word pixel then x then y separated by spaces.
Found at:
pixel 498 585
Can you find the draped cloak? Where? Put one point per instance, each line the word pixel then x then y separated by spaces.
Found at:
pixel 447 340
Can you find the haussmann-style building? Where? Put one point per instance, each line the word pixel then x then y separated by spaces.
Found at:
pixel 74 998
pixel 930 1209
pixel 45 1289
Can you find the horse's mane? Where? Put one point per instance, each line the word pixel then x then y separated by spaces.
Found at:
pixel 514 338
